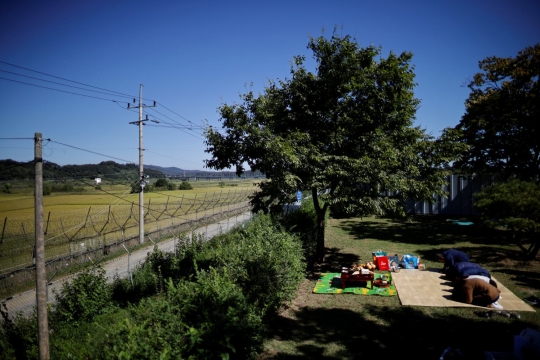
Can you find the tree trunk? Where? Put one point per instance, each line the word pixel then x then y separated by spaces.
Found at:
pixel 321 212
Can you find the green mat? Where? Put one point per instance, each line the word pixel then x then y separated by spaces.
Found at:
pixel 330 283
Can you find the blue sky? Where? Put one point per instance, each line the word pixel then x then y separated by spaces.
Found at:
pixel 193 56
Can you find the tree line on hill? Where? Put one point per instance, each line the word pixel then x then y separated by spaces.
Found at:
pixel 11 170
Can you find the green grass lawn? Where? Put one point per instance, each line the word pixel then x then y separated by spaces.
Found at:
pixel 348 326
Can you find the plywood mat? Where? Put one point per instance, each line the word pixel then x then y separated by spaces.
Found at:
pixel 429 288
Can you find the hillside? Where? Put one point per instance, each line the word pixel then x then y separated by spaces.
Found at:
pixel 11 170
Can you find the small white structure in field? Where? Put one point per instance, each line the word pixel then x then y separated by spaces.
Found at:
pixel 98 181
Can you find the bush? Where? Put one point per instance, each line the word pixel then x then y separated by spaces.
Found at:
pixel 86 296
pixel 161 183
pixel 18 337
pixel 225 324
pixel 516 205
pixel 303 223
pixel 171 186
pixel 7 188
pixel 266 261
pixel 184 185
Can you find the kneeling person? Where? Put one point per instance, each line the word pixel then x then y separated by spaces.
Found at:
pixel 477 292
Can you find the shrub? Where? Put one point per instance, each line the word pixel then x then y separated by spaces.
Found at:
pixel 161 183
pixel 266 261
pixel 516 205
pixel 303 223
pixel 86 296
pixel 7 188
pixel 223 323
pixel 18 336
pixel 184 185
pixel 171 186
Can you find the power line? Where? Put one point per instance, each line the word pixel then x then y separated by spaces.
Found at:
pixel 108 92
pixel 16 138
pixel 89 151
pixel 57 83
pixel 58 77
pixel 64 91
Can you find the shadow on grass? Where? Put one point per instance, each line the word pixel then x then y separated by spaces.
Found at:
pixel 333 262
pixel 489 255
pixel 530 279
pixel 424 230
pixel 391 333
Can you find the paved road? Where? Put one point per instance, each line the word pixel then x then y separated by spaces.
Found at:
pixel 26 302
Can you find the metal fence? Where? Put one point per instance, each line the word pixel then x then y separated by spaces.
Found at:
pixel 84 235
pixel 461 190
pixel 166 240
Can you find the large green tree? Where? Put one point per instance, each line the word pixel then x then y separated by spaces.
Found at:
pixel 344 134
pixel 502 119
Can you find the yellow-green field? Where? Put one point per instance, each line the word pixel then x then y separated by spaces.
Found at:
pixel 93 219
pixel 20 203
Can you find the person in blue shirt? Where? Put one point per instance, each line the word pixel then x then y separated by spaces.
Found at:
pixel 450 257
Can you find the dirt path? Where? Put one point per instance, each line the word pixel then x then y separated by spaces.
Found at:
pixel 25 302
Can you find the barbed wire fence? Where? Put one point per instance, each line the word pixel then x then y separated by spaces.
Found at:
pixel 92 234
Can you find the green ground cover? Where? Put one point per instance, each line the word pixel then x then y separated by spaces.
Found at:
pixel 352 327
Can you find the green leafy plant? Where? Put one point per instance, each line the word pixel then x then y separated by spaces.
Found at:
pixel 86 296
pixel 184 185
pixel 516 205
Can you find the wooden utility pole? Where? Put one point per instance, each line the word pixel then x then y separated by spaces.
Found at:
pixel 41 278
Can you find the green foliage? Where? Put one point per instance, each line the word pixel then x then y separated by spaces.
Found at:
pixel 209 299
pixel 514 204
pixel 222 321
pixel 184 185
pixel 302 223
pixel 7 188
pixel 18 336
pixel 171 186
pixel 222 184
pixel 267 262
pixel 343 134
pixel 502 118
pixel 47 190
pixel 86 296
pixel 161 183
pixel 86 340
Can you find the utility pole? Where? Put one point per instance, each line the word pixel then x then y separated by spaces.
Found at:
pixel 142 181
pixel 41 279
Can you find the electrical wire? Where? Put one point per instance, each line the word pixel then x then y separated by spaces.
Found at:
pixel 58 77
pixel 64 91
pixel 57 83
pixel 89 151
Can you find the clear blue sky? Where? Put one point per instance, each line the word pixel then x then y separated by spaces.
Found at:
pixel 192 56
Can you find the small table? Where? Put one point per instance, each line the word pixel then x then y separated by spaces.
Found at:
pixel 346 277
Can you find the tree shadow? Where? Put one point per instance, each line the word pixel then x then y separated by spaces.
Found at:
pixel 530 279
pixel 389 332
pixel 333 262
pixel 487 255
pixel 425 230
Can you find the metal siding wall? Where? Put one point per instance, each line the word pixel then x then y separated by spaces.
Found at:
pixel 460 200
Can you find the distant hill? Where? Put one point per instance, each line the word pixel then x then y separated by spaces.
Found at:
pixel 14 170
pixel 11 170
pixel 173 170
pixel 177 172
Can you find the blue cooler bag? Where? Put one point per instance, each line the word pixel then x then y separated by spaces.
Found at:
pixel 409 261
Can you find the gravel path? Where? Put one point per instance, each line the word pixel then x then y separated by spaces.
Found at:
pixel 25 302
